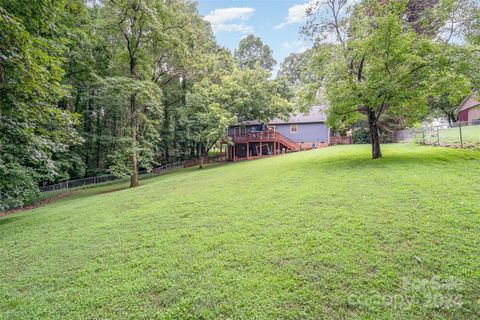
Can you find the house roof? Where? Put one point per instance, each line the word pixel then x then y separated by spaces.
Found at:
pixel 316 114
pixel 247 123
pixel 470 101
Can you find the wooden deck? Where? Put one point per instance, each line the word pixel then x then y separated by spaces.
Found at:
pixel 254 145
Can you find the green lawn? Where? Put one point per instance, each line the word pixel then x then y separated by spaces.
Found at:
pixel 319 234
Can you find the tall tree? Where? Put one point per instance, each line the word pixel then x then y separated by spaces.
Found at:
pixel 251 50
pixel 31 89
pixel 216 103
pixel 205 118
pixel 153 39
pixel 294 68
pixel 378 67
pixel 448 84
pixel 250 95
pixel 134 19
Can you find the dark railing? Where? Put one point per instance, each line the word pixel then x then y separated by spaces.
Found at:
pixel 282 137
pixel 263 136
pixel 257 135
pixel 210 159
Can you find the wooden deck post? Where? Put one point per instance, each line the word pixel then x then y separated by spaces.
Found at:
pixel 248 151
pixel 234 153
pixel 261 150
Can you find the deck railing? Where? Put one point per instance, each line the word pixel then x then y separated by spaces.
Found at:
pixel 258 135
pixel 282 137
pixel 263 136
pixel 221 157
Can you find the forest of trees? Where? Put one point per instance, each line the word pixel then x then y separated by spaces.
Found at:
pixel 93 87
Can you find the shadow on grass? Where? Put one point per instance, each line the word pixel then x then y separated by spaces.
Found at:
pixel 420 156
pixel 113 190
pixel 6 220
pixel 104 188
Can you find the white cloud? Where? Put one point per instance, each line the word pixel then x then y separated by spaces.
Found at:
pixel 218 18
pixel 296 14
pixel 231 27
pixel 296 46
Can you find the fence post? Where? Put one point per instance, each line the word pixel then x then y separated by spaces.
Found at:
pixel 438 136
pixel 461 137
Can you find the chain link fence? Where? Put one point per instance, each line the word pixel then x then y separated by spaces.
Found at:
pixel 59 189
pixel 464 135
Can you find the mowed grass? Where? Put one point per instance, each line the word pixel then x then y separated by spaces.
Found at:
pixel 327 233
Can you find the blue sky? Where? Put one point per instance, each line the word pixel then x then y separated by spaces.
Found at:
pixel 276 22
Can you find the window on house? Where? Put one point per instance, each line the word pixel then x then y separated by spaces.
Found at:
pixel 293 128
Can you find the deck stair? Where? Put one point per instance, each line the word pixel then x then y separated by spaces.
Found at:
pixel 266 136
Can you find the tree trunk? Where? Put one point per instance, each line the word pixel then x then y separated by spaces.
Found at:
pixel 203 152
pixel 374 135
pixel 451 118
pixel 2 80
pixel 87 131
pixel 166 133
pixel 98 162
pixel 133 127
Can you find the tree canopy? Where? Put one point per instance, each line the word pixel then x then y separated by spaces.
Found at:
pixel 115 87
pixel 251 50
pixel 389 60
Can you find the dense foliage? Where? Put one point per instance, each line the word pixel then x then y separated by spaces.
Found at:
pixel 93 87
pixel 116 86
pixel 392 59
pixel 251 51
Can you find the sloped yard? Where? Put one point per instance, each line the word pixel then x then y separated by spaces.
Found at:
pixel 319 234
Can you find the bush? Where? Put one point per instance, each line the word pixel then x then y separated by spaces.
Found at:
pixel 360 136
pixel 17 186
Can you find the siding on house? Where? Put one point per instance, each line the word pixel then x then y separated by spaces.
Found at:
pixel 469 115
pixel 463 116
pixel 473 114
pixel 311 128
pixel 469 109
pixel 306 132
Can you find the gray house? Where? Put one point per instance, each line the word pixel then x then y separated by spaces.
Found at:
pixel 309 130
pixel 253 139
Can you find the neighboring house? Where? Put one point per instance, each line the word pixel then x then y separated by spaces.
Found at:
pixel 469 109
pixel 253 139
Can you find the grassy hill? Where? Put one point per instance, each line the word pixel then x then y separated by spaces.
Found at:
pixel 325 233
